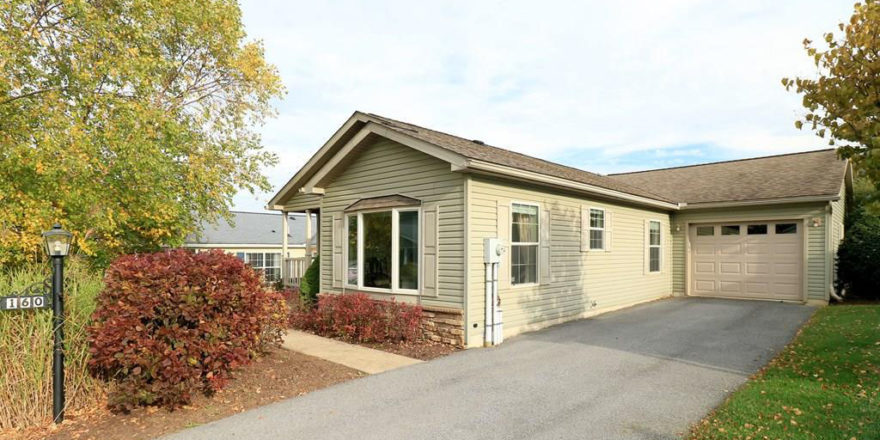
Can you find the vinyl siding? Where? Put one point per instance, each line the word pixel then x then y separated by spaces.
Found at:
pixel 301 202
pixel 838 212
pixel 385 168
pixel 815 236
pixel 612 279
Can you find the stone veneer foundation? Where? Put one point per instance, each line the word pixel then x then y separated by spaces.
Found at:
pixel 443 325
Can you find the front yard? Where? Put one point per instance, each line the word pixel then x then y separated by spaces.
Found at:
pixel 824 385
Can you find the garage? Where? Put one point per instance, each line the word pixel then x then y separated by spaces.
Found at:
pixel 755 260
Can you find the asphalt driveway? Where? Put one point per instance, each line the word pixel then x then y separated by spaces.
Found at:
pixel 646 372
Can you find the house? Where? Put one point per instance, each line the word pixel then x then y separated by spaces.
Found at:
pixel 256 238
pixel 404 210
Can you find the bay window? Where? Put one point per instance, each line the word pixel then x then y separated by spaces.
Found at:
pixel 382 250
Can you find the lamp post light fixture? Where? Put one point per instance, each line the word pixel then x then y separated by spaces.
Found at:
pixel 57 245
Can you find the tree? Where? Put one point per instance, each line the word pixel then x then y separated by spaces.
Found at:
pixel 127 121
pixel 843 103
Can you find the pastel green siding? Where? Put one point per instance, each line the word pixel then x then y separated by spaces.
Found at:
pixel 838 212
pixel 385 168
pixel 816 279
pixel 301 202
pixel 611 279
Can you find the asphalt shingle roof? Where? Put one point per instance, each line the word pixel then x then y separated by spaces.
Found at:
pixel 480 151
pixel 812 173
pixel 256 228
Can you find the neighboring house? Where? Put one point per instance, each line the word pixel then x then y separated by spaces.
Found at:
pixel 256 238
pixel 403 212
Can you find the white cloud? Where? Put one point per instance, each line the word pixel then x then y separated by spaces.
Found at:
pixel 552 79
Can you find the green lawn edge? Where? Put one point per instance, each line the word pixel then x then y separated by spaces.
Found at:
pixel 824 385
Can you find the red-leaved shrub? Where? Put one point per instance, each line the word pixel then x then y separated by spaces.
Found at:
pixel 356 317
pixel 170 324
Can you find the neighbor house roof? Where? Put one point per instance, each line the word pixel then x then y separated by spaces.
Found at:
pixel 786 176
pixel 475 149
pixel 252 228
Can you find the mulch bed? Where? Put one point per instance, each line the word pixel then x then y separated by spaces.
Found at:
pixel 424 350
pixel 280 375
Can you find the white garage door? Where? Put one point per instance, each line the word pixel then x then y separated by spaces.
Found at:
pixel 747 260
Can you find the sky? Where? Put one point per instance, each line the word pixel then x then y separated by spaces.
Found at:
pixel 604 86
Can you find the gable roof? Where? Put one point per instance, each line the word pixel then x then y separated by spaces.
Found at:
pixel 252 228
pixel 474 149
pixel 785 176
pixel 788 178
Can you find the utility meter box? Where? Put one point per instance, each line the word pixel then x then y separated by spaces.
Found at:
pixel 492 250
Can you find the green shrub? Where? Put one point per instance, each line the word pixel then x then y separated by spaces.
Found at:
pixel 858 258
pixel 310 285
pixel 26 347
pixel 170 324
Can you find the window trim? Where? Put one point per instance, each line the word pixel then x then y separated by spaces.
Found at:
pixel 537 244
pixel 648 247
pixel 590 228
pixel 395 248
pixel 263 265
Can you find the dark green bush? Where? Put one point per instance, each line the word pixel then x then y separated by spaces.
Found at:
pixel 308 289
pixel 858 259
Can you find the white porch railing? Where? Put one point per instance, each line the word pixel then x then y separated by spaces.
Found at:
pixel 294 269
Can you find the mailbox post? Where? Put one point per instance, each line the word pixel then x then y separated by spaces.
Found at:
pixel 57 243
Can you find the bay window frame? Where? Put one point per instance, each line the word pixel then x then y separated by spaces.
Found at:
pixel 395 251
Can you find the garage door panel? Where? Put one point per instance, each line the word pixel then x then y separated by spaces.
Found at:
pixel 730 286
pixel 730 249
pixel 757 265
pixel 757 249
pixel 757 268
pixel 704 268
pixel 757 288
pixel 730 268
pixel 786 269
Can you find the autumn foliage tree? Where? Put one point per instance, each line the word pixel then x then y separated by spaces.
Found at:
pixel 126 121
pixel 843 102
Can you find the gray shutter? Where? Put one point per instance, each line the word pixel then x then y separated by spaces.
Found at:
pixel 585 229
pixel 544 250
pixel 338 234
pixel 503 231
pixel 430 248
pixel 646 252
pixel 609 226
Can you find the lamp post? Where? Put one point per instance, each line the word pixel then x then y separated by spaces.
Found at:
pixel 57 244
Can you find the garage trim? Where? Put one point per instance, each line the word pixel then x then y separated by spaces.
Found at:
pixel 805 224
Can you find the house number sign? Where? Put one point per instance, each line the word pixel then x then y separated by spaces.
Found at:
pixel 31 297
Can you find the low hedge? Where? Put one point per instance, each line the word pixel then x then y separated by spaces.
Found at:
pixel 357 317
pixel 170 324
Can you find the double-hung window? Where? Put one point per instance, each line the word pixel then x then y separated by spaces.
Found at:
pixel 654 240
pixel 524 244
pixel 597 229
pixel 267 262
pixel 382 250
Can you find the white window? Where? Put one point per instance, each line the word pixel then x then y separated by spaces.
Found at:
pixel 524 241
pixel 654 240
pixel 267 262
pixel 597 229
pixel 382 250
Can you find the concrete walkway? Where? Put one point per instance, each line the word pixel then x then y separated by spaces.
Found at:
pixel 643 373
pixel 364 359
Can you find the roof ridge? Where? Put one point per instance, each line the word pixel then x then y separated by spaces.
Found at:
pixel 262 213
pixel 722 161
pixel 484 144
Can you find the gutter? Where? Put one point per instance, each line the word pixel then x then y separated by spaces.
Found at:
pixel 800 199
pixel 504 171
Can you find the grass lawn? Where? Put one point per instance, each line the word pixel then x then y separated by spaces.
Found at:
pixel 824 385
